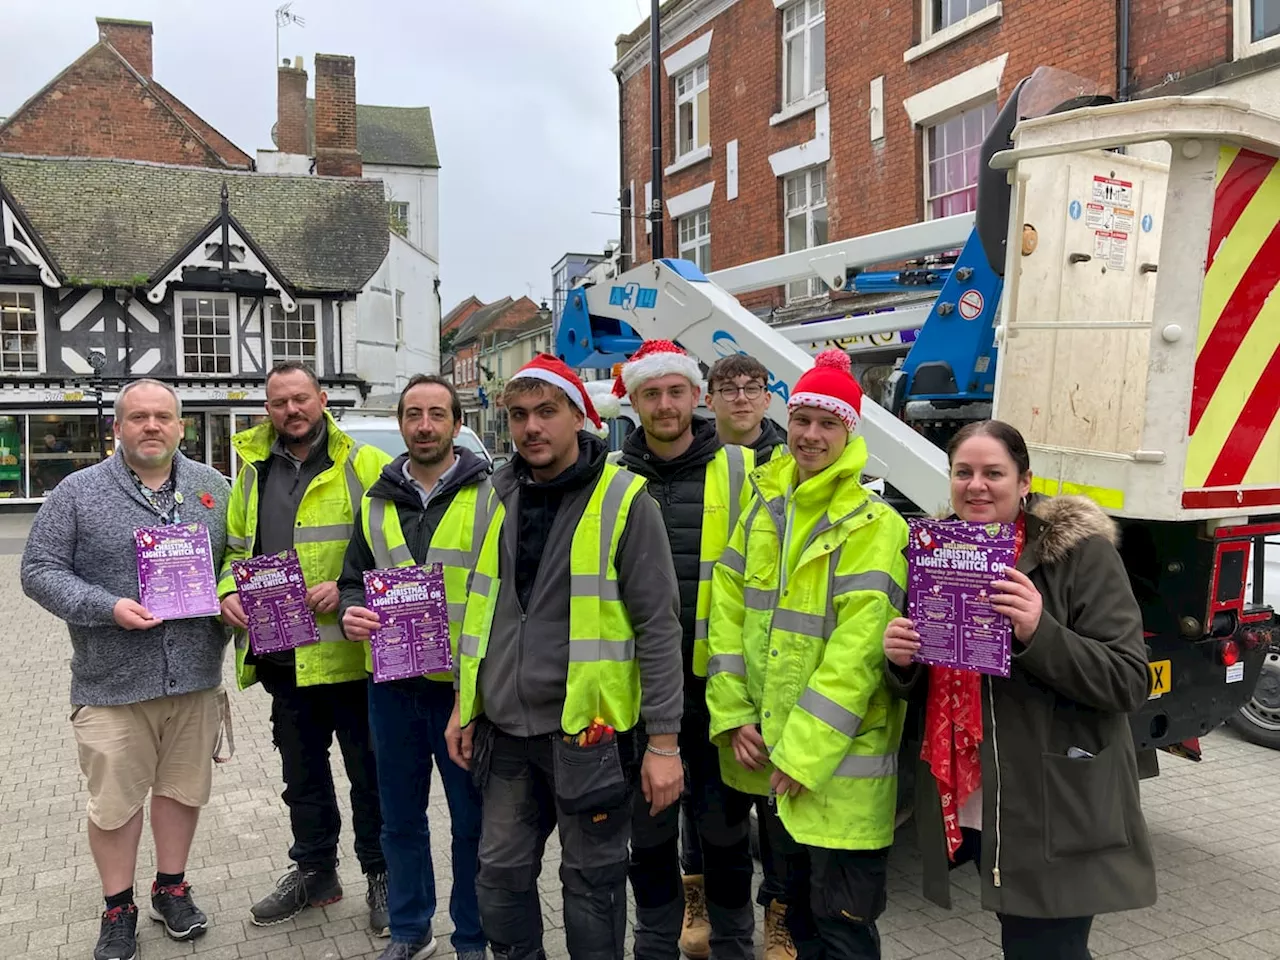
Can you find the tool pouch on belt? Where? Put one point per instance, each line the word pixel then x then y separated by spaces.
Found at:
pixel 589 779
pixel 481 752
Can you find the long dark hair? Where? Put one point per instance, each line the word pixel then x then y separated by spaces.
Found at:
pixel 1008 436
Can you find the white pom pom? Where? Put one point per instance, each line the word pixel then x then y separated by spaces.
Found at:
pixel 602 397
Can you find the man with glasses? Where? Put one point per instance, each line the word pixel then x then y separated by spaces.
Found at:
pixel 738 394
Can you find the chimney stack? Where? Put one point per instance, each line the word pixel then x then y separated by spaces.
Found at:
pixel 291 108
pixel 336 152
pixel 131 39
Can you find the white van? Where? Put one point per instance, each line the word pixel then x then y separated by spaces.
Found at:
pixel 384 433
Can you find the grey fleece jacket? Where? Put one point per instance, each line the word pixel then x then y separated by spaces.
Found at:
pixel 522 677
pixel 80 560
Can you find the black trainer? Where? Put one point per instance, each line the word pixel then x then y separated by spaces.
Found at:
pixel 294 892
pixel 409 951
pixel 376 898
pixel 118 938
pixel 173 907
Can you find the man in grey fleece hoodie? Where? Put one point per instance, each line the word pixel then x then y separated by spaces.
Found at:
pixel 146 693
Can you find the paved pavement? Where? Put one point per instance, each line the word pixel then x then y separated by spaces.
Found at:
pixel 1212 826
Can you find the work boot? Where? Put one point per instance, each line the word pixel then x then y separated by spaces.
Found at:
pixel 732 931
pixel 778 944
pixel 695 934
pixel 376 898
pixel 294 892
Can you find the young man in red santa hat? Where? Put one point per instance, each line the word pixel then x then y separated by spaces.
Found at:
pixel 796 685
pixel 700 483
pixel 571 637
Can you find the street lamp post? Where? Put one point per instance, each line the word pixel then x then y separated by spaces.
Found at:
pixel 98 360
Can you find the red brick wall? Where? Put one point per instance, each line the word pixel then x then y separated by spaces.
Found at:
pixel 132 39
pixel 98 109
pixel 291 110
pixel 1173 39
pixel 869 186
pixel 336 154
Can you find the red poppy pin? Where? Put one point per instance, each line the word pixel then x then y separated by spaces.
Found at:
pixel 208 501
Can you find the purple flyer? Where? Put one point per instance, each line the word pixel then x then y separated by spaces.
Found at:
pixel 176 580
pixel 414 637
pixel 952 565
pixel 274 596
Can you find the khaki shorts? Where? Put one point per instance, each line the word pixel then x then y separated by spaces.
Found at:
pixel 165 746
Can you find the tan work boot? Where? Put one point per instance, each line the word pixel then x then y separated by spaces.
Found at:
pixel 778 944
pixel 695 935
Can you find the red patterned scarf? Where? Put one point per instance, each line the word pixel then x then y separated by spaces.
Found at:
pixel 953 732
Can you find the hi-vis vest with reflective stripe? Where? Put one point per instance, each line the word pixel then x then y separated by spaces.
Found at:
pixel 722 500
pixel 802 654
pixel 455 544
pixel 604 677
pixel 325 521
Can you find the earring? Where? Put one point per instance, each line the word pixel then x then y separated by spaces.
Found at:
pixel 1022 504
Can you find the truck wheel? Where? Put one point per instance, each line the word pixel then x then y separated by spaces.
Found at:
pixel 1258 721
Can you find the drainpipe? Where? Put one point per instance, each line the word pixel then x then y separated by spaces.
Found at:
pixel 1124 79
pixel 629 202
pixel 655 125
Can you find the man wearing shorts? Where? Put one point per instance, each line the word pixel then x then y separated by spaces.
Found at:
pixel 147 701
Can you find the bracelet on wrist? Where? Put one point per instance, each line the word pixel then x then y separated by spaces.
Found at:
pixel 658 751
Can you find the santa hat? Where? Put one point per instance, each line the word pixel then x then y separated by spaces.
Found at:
pixel 654 359
pixel 829 385
pixel 556 372
pixel 601 394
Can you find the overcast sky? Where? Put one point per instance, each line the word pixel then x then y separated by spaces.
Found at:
pixel 524 105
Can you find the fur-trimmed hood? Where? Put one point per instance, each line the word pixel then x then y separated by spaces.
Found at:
pixel 1066 522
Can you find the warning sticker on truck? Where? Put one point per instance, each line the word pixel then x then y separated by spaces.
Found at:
pixel 1111 247
pixel 1113 193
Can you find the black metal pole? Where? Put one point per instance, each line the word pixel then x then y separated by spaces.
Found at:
pixel 655 126
pixel 102 434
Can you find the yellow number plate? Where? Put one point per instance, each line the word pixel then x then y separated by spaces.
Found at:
pixel 1161 678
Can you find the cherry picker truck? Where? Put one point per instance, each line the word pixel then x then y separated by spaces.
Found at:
pixel 1115 298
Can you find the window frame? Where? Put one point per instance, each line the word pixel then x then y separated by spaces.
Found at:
pixel 233 313
pixel 932 19
pixel 690 96
pixel 698 241
pixel 272 358
pixel 398 298
pixel 37 293
pixel 816 288
pixel 927 157
pixel 805 28
pixel 1244 44
pixel 393 220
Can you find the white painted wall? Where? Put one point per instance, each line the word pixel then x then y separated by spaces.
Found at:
pixel 273 161
pixel 385 364
pixel 420 188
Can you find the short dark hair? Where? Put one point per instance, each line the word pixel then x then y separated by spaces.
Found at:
pixel 293 366
pixel 1007 435
pixel 736 365
pixel 522 386
pixel 420 379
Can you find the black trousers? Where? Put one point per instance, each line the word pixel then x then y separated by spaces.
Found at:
pixel 304 722
pixel 1031 938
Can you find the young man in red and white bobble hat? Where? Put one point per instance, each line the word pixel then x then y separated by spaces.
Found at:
pixel 565 516
pixel 701 484
pixel 801 697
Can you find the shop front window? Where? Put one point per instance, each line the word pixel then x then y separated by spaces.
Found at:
pixel 60 445
pixel 220 443
pixel 13 457
pixel 192 442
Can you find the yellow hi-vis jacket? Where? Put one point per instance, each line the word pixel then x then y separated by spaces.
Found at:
pixel 325 521
pixel 455 545
pixel 796 641
pixel 604 675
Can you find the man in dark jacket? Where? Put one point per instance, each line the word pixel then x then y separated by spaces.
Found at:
pixel 431 505
pixel 572 616
pixel 698 483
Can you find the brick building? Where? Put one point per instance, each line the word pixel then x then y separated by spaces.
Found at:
pixel 788 123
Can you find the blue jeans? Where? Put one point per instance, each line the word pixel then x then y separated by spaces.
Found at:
pixel 408 720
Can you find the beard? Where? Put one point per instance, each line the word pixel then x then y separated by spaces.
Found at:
pixel 135 457
pixel 312 434
pixel 432 458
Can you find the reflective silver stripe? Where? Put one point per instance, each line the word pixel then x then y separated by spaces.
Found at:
pixel 593 651
pixel 705 569
pixel 833 564
pixel 237 543
pixel 459 610
pixel 401 556
pixel 354 489
pixel 734 561
pixel 810 624
pixel 331 631
pixel 486 503
pixel 867 767
pixel 450 558
pixel 753 598
pixel 876 580
pixel 699 625
pixel 382 556
pixel 322 534
pixel 589 585
pixel 480 583
pixel 610 507
pixel 468 646
pixel 737 477
pixel 825 524
pixel 727 663
pixel 829 712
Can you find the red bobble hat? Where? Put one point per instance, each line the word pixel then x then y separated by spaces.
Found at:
pixel 654 359
pixel 556 372
pixel 829 385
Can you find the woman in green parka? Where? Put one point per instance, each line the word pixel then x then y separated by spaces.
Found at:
pixel 1034 777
